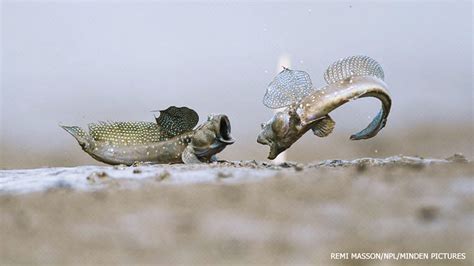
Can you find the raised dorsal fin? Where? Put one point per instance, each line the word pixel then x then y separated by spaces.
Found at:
pixel 177 120
pixel 324 126
pixel 351 66
pixel 288 87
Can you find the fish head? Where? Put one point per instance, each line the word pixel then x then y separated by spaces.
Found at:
pixel 280 132
pixel 212 136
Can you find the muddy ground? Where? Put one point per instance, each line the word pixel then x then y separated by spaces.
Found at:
pixel 238 212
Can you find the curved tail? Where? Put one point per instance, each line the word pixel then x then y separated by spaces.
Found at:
pixel 356 67
pixel 379 120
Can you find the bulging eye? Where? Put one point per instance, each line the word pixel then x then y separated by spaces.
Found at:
pixel 262 125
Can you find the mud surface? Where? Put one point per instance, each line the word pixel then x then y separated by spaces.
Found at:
pixel 238 212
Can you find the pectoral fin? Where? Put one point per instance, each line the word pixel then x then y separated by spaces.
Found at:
pixel 189 157
pixel 324 126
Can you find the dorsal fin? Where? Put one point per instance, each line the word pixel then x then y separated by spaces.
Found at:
pixel 126 132
pixel 287 87
pixel 358 65
pixel 177 120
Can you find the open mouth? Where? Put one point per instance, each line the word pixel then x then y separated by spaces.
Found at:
pixel 224 131
pixel 274 149
pixel 262 140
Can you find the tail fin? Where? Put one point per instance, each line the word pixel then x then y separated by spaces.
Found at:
pixel 79 134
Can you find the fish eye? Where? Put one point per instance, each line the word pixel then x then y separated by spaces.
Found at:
pixel 262 125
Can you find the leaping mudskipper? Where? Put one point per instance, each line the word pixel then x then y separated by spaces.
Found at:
pixel 308 108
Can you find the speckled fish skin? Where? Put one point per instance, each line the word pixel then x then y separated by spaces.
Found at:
pixel 287 126
pixel 131 142
pixel 321 102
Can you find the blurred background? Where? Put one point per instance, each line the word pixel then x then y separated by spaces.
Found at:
pixel 85 61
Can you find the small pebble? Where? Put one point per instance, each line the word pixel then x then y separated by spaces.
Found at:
pixel 95 176
pixel 163 175
pixel 120 167
pixel 457 158
pixel 102 174
pixel 221 174
pixel 299 167
pixel 137 171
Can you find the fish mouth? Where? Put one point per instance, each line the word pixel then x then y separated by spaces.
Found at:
pixel 221 138
pixel 274 149
pixel 262 140
pixel 224 135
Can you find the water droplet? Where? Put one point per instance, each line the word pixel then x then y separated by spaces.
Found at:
pixel 376 151
pixel 301 62
pixel 309 10
pixel 266 71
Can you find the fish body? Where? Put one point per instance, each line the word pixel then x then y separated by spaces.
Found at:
pixel 348 79
pixel 131 142
pixel 322 101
